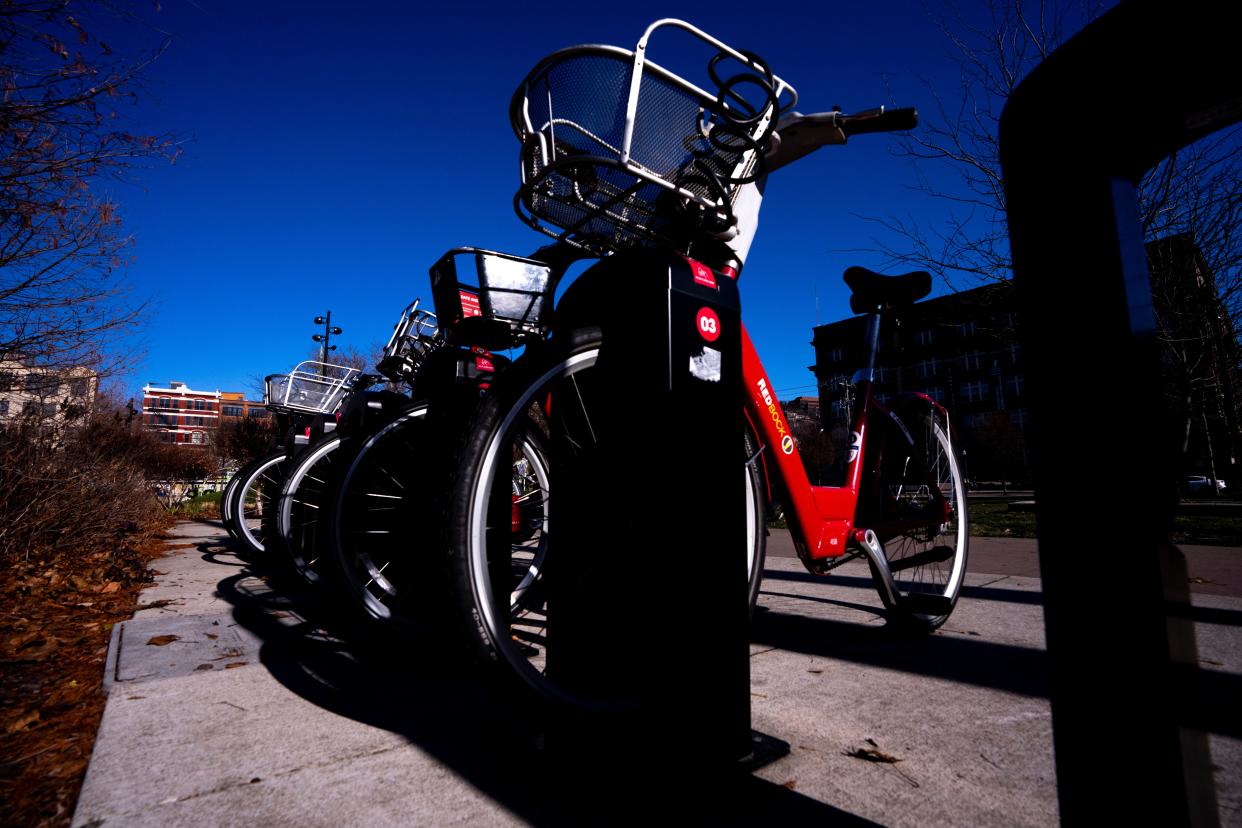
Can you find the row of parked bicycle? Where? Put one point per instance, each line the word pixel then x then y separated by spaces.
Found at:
pixel 423 488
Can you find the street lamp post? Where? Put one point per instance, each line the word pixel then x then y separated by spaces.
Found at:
pixel 325 338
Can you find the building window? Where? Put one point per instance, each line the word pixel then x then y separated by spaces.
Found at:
pixel 164 402
pixel 966 329
pixel 936 392
pixel 258 413
pixel 882 399
pixel 1019 417
pixel 980 420
pixel 836 355
pixel 929 368
pixel 972 361
pixel 4 408
pixel 79 388
pixel 41 384
pixel 925 337
pixel 232 410
pixel 200 405
pixel 1015 353
pixel 1016 385
pixel 974 391
pixel 196 437
pixel 50 409
pixel 7 380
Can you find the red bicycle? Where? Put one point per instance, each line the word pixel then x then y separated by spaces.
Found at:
pixel 675 186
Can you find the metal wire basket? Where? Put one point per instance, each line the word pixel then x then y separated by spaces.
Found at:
pixel 312 387
pixel 617 149
pixel 414 337
pixel 491 299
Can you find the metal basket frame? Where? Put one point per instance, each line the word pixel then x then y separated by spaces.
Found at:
pixel 618 209
pixel 416 334
pixel 330 382
pixel 448 286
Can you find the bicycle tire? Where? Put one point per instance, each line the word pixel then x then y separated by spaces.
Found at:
pixel 256 495
pixel 377 511
pixel 301 511
pixel 226 512
pixel 509 641
pixel 228 506
pixel 928 564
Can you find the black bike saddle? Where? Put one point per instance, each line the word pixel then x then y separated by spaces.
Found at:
pixel 875 291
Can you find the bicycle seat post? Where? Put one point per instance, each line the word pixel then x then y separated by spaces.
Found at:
pixel 872 343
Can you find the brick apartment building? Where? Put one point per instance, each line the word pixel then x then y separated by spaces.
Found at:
pixel 962 349
pixel 959 349
pixel 179 414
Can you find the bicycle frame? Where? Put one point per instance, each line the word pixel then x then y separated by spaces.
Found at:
pixel 822 519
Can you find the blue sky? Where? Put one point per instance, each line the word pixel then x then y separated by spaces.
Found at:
pixel 334 151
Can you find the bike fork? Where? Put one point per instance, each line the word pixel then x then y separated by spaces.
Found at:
pixel 875 553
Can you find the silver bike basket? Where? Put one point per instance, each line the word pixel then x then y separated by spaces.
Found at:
pixel 311 387
pixel 416 334
pixel 617 149
pixel 508 292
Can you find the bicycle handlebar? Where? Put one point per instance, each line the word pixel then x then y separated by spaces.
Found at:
pixel 800 135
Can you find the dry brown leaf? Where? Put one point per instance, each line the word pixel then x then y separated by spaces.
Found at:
pixel 23 721
pixel 872 755
pixel 162 640
pixel 111 586
pixel 236 664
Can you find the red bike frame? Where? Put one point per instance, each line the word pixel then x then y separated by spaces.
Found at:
pixel 822 519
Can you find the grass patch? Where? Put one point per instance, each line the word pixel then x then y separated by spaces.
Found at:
pixel 204 505
pixel 1208 530
pixel 995 520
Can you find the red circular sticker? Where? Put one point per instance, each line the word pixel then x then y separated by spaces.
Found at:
pixel 708 324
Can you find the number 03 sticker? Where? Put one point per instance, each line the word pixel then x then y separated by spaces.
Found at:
pixel 708 324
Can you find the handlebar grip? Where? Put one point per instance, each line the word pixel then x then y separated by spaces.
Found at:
pixel 880 120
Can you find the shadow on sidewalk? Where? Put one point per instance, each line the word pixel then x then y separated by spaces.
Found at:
pixel 420 689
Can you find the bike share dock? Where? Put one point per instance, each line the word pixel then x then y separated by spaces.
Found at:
pixel 255 714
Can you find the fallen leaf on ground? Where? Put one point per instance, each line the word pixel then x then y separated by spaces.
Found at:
pixel 872 755
pixel 790 785
pixel 203 667
pixel 162 640
pixel 23 721
pixel 236 664
pixel 111 586
pixel 816 672
pixel 1200 580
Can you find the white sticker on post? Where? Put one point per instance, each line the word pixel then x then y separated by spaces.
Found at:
pixel 706 366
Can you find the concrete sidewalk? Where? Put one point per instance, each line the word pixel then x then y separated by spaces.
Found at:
pixel 229 705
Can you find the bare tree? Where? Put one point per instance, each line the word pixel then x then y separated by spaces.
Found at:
pixel 61 135
pixel 1193 195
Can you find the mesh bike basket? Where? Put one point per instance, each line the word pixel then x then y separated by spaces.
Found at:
pixel 311 387
pixel 414 337
pixel 489 298
pixel 616 149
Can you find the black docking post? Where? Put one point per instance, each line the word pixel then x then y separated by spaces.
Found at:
pixel 651 611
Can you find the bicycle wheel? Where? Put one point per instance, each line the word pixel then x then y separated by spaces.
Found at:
pixel 257 496
pixel 379 513
pixel 228 507
pixel 923 525
pixel 301 514
pixel 489 560
pixel 226 502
